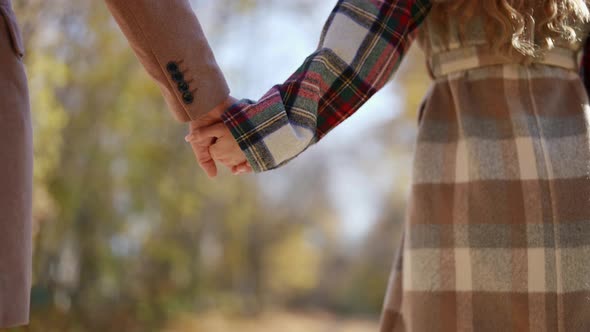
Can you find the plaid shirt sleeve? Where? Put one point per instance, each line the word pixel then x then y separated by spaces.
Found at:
pixel 361 46
pixel 585 65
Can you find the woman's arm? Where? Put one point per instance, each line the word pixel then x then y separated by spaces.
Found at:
pixel 168 40
pixel 361 45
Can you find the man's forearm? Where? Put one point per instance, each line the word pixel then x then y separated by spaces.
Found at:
pixel 167 38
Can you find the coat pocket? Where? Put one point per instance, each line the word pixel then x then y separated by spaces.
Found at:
pixel 13 30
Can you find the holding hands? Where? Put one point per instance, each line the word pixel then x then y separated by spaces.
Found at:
pixel 213 143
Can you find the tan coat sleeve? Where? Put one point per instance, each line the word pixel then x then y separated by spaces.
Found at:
pixel 168 39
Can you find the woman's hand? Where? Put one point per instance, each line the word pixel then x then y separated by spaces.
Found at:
pixel 225 149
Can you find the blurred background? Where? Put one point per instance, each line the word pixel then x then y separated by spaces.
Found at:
pixel 130 235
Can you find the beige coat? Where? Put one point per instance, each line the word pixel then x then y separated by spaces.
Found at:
pixel 169 42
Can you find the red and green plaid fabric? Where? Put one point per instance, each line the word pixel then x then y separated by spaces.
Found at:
pixel 361 46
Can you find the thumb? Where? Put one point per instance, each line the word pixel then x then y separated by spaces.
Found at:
pixel 242 168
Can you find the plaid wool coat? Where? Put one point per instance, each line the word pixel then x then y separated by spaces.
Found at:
pixel 497 231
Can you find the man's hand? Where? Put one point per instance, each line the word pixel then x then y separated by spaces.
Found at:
pixel 204 135
pixel 201 148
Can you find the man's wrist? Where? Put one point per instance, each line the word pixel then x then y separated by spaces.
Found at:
pixel 223 106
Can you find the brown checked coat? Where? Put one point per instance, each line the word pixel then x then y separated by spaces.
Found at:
pixel 169 42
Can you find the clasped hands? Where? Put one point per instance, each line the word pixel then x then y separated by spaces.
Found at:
pixel 213 143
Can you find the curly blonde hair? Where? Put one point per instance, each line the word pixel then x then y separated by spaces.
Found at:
pixel 528 26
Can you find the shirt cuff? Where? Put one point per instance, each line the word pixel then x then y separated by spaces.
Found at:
pixel 239 118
